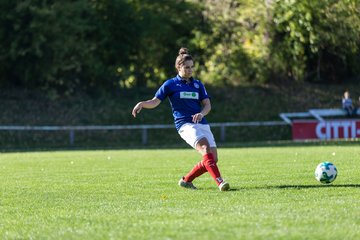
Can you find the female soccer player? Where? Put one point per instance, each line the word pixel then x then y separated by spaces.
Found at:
pixel 190 104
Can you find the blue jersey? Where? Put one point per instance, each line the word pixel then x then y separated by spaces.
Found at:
pixel 347 102
pixel 185 98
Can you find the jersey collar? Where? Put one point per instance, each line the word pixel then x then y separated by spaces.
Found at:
pixel 178 78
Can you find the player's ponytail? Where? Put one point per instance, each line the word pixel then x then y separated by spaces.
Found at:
pixel 182 57
pixel 183 51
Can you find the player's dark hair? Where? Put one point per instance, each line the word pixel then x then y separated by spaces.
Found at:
pixel 182 57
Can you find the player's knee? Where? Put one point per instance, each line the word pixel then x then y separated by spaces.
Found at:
pixel 205 148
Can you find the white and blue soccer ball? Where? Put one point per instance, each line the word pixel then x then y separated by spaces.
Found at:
pixel 326 172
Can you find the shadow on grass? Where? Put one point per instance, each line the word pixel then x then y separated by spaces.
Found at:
pixel 290 143
pixel 318 186
pixel 298 187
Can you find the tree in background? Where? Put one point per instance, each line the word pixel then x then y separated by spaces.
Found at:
pixel 44 44
pixel 161 28
pixel 316 40
pixel 257 41
pixel 104 45
pixel 235 47
pixel 93 45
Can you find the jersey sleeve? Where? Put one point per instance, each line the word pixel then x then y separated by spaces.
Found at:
pixel 202 92
pixel 162 92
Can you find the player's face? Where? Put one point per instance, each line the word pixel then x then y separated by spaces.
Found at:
pixel 186 70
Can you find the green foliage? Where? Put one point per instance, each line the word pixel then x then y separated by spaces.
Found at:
pixel 45 45
pixel 234 49
pixel 316 40
pixel 84 45
pixel 296 40
pixel 161 27
pixel 104 45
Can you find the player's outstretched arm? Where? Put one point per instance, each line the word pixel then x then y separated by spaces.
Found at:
pixel 149 104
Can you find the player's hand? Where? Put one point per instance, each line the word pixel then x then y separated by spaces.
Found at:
pixel 137 109
pixel 197 117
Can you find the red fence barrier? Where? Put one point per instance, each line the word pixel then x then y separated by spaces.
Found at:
pixel 329 129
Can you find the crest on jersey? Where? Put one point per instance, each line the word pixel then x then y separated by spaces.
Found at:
pixel 196 85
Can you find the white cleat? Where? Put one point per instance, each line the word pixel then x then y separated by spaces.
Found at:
pixel 224 186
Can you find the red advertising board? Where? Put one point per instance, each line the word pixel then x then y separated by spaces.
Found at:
pixel 329 129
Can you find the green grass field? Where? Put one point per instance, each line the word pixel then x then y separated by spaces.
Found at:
pixel 133 194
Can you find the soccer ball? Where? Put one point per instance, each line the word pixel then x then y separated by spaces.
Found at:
pixel 325 172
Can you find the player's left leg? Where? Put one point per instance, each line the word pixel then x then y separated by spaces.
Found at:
pixel 208 159
pixel 223 186
pixel 213 150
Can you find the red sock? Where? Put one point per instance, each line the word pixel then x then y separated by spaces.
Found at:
pixel 198 170
pixel 210 165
